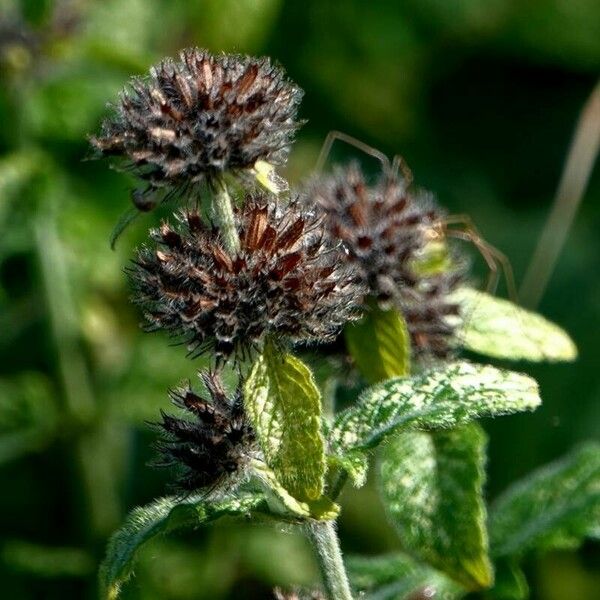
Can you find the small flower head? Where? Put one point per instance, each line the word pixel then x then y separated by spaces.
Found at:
pixel 211 445
pixel 386 230
pixel 287 282
pixel 201 116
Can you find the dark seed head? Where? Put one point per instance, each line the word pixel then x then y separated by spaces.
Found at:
pixel 287 281
pixel 193 119
pixel 387 230
pixel 210 445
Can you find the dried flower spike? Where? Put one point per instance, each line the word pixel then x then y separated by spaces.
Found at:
pixel 201 116
pixel 212 446
pixel 386 231
pixel 287 281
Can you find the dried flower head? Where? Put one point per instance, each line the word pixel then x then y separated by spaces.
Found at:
pixel 212 446
pixel 386 230
pixel 287 281
pixel 201 116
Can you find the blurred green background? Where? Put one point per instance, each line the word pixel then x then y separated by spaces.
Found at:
pixel 479 96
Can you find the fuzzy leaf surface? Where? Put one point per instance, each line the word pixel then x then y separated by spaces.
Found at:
pixel 162 516
pixel 555 507
pixel 439 399
pixel 398 576
pixel 379 344
pixel 498 328
pixel 284 405
pixel 431 485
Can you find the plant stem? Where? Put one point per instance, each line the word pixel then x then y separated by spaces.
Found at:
pixel 324 539
pixel 222 212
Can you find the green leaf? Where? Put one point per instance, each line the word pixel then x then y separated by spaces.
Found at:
pixel 555 507
pixel 284 405
pixel 431 486
pixel 162 516
pixel 501 329
pixel 379 344
pixel 396 576
pixel 437 399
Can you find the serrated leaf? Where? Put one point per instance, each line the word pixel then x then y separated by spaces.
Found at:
pixel 439 399
pixel 379 344
pixel 555 507
pixel 431 486
pixel 284 405
pixel 498 328
pixel 397 576
pixel 162 516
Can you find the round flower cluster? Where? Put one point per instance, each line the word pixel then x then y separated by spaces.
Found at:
pixel 214 444
pixel 386 230
pixel 194 119
pixel 288 281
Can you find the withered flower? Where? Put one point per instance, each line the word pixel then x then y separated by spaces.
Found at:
pixel 196 118
pixel 288 281
pixel 386 230
pixel 213 445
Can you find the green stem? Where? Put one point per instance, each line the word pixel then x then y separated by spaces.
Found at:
pixel 323 536
pixel 222 212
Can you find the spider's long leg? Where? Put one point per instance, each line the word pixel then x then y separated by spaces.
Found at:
pixel 490 254
pixel 334 136
pixel 399 165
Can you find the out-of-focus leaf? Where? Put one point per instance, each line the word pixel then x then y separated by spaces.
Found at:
pixel 432 490
pixel 162 516
pixel 284 405
pixel 555 507
pixel 437 399
pixel 379 344
pixel 47 561
pixel 510 582
pixel 398 576
pixel 28 415
pixel 498 328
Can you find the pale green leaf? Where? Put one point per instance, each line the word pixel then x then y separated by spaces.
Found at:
pixel 162 516
pixel 498 328
pixel 437 399
pixel 284 405
pixel 379 344
pixel 555 507
pixel 398 576
pixel 431 485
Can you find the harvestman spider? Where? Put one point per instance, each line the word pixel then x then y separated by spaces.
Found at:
pixel 459 226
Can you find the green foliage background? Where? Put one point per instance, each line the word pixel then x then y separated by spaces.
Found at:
pixel 480 97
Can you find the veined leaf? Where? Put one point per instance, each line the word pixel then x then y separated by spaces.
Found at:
pixel 164 515
pixel 398 576
pixel 432 490
pixel 498 328
pixel 554 507
pixel 285 407
pixel 379 344
pixel 438 399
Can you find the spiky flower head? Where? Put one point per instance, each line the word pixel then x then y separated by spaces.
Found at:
pixel 287 282
pixel 203 115
pixel 387 230
pixel 213 443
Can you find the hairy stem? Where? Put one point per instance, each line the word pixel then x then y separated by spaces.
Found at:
pixel 323 536
pixel 222 213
